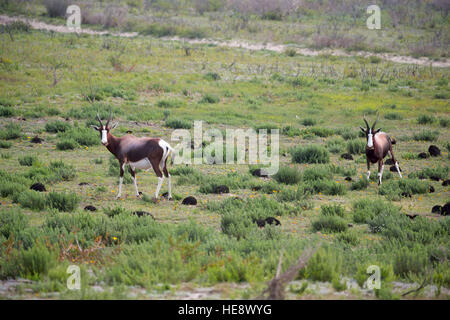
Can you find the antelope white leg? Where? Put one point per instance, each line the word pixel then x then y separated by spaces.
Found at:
pixel 368 175
pixel 160 181
pixel 120 187
pixel 398 169
pixel 135 186
pixel 169 184
pixel 380 174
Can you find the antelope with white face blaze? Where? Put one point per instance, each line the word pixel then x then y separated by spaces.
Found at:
pixel 379 144
pixel 138 153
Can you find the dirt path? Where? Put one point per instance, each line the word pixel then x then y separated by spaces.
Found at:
pixel 236 44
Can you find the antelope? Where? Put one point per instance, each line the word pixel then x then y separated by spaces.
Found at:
pixel 379 144
pixel 138 153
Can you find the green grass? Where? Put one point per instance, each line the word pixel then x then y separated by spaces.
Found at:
pixel 310 154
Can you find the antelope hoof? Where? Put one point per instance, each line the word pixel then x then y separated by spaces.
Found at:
pixel 170 198
pixel 118 196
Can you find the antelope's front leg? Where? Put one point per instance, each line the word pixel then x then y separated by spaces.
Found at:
pixel 380 171
pixel 122 166
pixel 368 168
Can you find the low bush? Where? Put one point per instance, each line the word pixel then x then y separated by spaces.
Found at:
pixel 426 135
pixel 11 131
pixel 310 154
pixel 425 119
pixel 356 146
pixel 366 209
pixel 178 124
pixel 62 201
pixel 66 144
pixel 394 190
pixel 326 187
pixel 210 98
pixel 57 126
pixel 336 145
pixel 287 175
pixel 27 161
pixel 332 210
pixel 32 200
pixel 329 223
pixel 438 173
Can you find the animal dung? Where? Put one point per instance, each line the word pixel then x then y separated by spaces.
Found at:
pixel 436 209
pixel 269 220
pixel 347 156
pixel 348 179
pixel 143 213
pixel 256 188
pixel 36 139
pixel 350 225
pixel 38 187
pixel 389 162
pixel 394 169
pixel 90 208
pixel 189 201
pixel 222 189
pixel 83 184
pixel 446 183
pixel 260 173
pixel 446 209
pixel 406 194
pixel 434 151
pixel 423 155
pixel 431 189
pixel 164 195
pixel 411 216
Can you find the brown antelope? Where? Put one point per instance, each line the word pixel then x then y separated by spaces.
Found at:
pixel 138 153
pixel 379 144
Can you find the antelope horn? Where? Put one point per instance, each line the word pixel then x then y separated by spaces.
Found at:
pixel 373 127
pixel 367 124
pixel 110 117
pixel 98 118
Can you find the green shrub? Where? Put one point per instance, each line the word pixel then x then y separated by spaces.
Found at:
pixel 62 201
pixel 325 265
pixel 212 76
pixel 320 131
pixel 7 112
pixel 361 184
pixel 366 209
pixel 82 136
pixel 336 145
pixel 287 175
pixel 317 172
pixel 438 173
pixel 37 261
pixel 386 273
pixel 332 210
pixel 182 171
pixel 326 187
pixel 425 119
pixel 210 98
pixel 178 124
pixel 426 135
pixel 5 144
pixel 62 171
pixel 347 133
pixel 57 126
pixel 348 237
pixel 32 199
pixel 394 190
pixel 444 123
pixel 27 161
pixel 172 103
pixel 393 116
pixel 11 131
pixel 329 223
pixel 310 154
pixel 308 122
pixel 66 144
pixel 111 212
pixel 356 146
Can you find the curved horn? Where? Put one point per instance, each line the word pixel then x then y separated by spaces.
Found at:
pixel 98 118
pixel 373 126
pixel 367 124
pixel 110 117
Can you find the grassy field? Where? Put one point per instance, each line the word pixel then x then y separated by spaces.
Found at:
pixel 53 84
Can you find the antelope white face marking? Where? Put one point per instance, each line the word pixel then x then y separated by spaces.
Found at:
pixel 104 137
pixel 370 139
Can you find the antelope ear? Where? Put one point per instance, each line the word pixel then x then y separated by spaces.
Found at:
pixel 362 129
pixel 95 127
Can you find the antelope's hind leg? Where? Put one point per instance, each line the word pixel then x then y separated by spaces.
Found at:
pixel 396 163
pixel 155 165
pixel 133 176
pixel 380 171
pixel 368 168
pixel 169 183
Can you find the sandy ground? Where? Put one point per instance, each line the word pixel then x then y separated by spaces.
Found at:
pixel 234 43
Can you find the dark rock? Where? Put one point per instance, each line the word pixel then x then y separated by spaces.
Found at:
pixel 446 183
pixel 350 225
pixel 36 139
pixel 222 189
pixel 38 187
pixel 129 131
pixel 189 201
pixel 394 169
pixel 436 209
pixel 348 179
pixel 143 213
pixel 434 178
pixel 347 156
pixel 446 209
pixel 406 194
pixel 90 208
pixel 272 220
pixel 389 162
pixel 83 184
pixel 434 151
pixel 256 188
pixel 261 223
pixel 431 189
pixel 164 195
pixel 260 173
pixel 411 216
pixel 423 155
